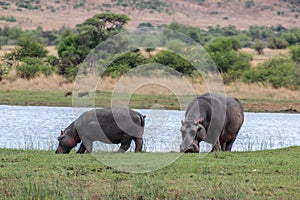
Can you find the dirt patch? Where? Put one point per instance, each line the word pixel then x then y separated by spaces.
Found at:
pixel 52 15
pixel 271 107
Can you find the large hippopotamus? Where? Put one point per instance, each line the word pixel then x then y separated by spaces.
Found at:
pixel 108 125
pixel 213 118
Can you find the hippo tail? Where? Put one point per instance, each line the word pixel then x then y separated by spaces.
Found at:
pixel 143 120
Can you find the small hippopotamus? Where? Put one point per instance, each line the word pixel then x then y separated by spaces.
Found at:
pixel 84 93
pixel 108 125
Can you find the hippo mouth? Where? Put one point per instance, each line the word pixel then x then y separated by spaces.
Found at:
pixel 63 151
pixel 193 148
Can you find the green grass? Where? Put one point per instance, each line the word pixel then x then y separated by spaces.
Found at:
pixel 272 174
pixel 103 99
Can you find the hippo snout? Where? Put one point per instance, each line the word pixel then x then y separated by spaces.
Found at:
pixel 193 148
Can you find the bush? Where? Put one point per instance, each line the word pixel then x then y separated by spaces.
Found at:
pixel 174 61
pixel 277 43
pixel 292 36
pixel 241 64
pixel 8 19
pixel 259 46
pixel 249 3
pixel 223 52
pixel 295 54
pixel 278 72
pixel 4 70
pixel 124 63
pixel 33 67
pixel 28 47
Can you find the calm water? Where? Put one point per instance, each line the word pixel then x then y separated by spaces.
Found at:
pixel 31 127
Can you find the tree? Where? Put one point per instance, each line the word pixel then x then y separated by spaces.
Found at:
pixel 223 52
pixel 76 45
pixel 69 52
pixel 101 26
pixel 295 54
pixel 259 47
pixel 28 47
pixel 174 61
pixel 292 36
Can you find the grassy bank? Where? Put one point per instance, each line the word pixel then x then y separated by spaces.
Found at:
pixel 273 174
pixel 103 99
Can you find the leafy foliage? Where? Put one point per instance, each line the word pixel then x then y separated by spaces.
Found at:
pixel 277 43
pixel 174 61
pixel 124 63
pixel 30 58
pixel 223 52
pixel 31 67
pixel 279 72
pixel 259 46
pixel 292 36
pixel 75 46
pixel 295 54
pixel 4 70
pixel 29 47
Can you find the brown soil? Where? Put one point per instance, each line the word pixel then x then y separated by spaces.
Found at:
pixel 272 107
pixel 57 14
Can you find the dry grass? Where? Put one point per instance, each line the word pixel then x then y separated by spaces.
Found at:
pixel 152 86
pixel 41 83
pixel 256 91
pixel 9 48
pixel 268 53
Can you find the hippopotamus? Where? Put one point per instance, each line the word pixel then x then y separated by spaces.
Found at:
pixel 213 118
pixel 108 125
pixel 84 93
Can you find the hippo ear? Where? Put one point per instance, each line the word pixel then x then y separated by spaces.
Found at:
pixel 59 138
pixel 62 132
pixel 202 134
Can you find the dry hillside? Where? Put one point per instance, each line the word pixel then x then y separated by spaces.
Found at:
pixel 55 14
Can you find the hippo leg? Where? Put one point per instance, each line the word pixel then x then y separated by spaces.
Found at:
pixel 81 148
pixel 217 146
pixel 125 143
pixel 138 144
pixel 229 145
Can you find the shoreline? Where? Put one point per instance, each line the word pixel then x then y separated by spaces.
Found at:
pixel 136 101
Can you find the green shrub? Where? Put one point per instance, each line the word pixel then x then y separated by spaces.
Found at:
pixel 27 70
pixel 8 19
pixel 277 43
pixel 223 51
pixel 295 54
pixel 259 46
pixel 249 3
pixel 241 64
pixel 33 67
pixel 3 3
pixel 292 36
pixel 278 72
pixel 124 63
pixel 174 61
pixel 4 70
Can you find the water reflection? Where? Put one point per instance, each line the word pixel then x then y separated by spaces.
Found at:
pixel 32 127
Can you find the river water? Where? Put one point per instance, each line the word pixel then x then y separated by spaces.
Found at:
pixel 36 127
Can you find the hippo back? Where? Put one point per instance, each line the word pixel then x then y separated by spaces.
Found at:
pixel 109 124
